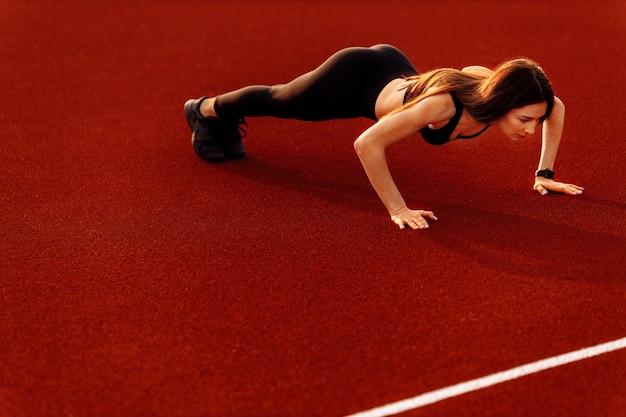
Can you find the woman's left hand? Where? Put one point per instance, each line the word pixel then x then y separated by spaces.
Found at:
pixel 543 185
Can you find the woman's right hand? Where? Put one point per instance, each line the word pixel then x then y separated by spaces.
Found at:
pixel 415 219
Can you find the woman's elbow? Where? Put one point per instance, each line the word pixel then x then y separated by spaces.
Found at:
pixel 367 148
pixel 360 145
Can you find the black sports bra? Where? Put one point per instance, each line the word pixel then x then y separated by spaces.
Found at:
pixel 443 135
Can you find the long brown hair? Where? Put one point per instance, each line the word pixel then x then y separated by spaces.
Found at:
pixel 513 84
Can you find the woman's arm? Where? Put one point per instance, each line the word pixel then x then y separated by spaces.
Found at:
pixel 371 145
pixel 551 138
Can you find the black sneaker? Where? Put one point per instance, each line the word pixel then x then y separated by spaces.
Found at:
pixel 214 139
pixel 231 138
pixel 204 130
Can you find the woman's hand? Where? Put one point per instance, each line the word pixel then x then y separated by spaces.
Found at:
pixel 415 219
pixel 543 185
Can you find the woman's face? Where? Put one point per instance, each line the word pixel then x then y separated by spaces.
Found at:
pixel 521 122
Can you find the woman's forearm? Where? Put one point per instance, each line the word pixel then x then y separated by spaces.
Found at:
pixel 551 135
pixel 374 161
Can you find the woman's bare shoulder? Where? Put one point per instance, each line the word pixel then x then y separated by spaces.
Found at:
pixel 477 70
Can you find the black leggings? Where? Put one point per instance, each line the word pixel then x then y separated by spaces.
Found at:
pixel 346 85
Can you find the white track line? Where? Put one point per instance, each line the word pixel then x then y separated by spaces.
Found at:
pixel 489 380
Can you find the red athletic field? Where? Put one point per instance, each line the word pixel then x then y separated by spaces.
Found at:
pixel 139 281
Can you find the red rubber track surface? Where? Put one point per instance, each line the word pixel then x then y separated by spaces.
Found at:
pixel 138 280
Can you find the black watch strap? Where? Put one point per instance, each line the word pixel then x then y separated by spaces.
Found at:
pixel 546 173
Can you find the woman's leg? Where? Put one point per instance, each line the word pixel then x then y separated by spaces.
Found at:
pixel 344 86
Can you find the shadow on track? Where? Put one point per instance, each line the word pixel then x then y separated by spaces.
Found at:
pixel 522 246
pixel 335 192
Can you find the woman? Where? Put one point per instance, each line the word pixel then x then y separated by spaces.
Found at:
pixel 380 83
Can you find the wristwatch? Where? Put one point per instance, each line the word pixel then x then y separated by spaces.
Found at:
pixel 546 173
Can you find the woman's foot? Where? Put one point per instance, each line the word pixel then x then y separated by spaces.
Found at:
pixel 214 139
pixel 202 140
